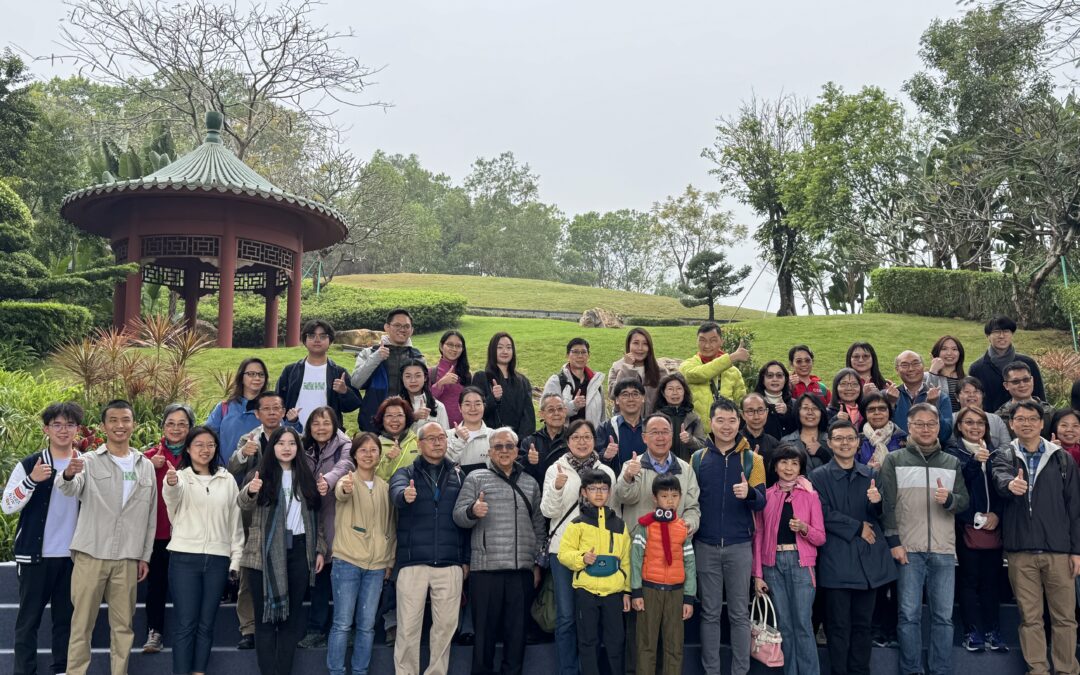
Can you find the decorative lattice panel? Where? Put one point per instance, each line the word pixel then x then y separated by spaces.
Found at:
pixel 244 281
pixel 120 250
pixel 261 252
pixel 174 245
pixel 172 277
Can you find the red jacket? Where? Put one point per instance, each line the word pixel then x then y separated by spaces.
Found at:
pixel 164 527
pixel 820 391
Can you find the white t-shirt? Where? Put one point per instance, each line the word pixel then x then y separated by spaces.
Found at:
pixel 294 521
pixel 61 519
pixel 312 391
pixel 127 466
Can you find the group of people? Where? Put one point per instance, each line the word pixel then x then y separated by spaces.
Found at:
pixel 640 499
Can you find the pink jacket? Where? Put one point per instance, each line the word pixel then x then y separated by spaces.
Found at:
pixel 807 507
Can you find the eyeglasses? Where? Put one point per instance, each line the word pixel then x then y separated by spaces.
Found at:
pixel 318 336
pixel 598 489
pixel 844 439
pixel 973 422
pixel 1000 333
pixel 579 352
pixel 860 357
pixel 803 362
pixel 630 395
pixel 453 345
pixel 401 326
pixel 1019 380
pixel 877 408
pixel 204 446
pixel 435 438
pixel 924 425
pixel 908 365
pixel 255 373
pixel 753 411
pixel 848 385
pixel 176 425
pixel 659 432
pixel 809 409
pixel 275 409
pixel 1026 419
pixel 774 375
pixel 63 426
pixel 553 409
pixel 582 437
pixel 503 447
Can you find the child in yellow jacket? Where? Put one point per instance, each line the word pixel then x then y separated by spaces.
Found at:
pixel 596 548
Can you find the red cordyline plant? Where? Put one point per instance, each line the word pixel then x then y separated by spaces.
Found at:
pixel 145 363
pixel 1060 368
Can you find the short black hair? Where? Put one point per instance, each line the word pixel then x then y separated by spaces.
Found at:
pixel 396 312
pixel 708 327
pixel 469 390
pixel 999 322
pixel 1015 365
pixel 575 342
pixel 666 482
pixel 623 385
pixel 788 450
pixel 873 397
pixel 1027 405
pixel 657 415
pixel 116 404
pixel 577 424
pixel 841 424
pixel 721 403
pixel 594 477
pixel 310 326
pixel 927 408
pixel 972 381
pixel 256 402
pixel 796 349
pixel 69 410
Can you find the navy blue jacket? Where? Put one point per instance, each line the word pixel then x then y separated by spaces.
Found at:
pixel 630 440
pixel 32 500
pixel 845 560
pixel 292 378
pixel 726 519
pixel 426 532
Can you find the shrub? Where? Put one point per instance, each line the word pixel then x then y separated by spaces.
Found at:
pixel 1059 368
pixel 655 321
pixel 965 294
pixel 345 307
pixel 42 326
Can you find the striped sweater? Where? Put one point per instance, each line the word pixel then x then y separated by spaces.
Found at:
pixel 911 518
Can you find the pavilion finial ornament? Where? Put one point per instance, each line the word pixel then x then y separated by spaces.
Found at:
pixel 214 123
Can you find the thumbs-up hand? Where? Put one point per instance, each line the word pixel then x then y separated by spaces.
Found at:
pixel 936 365
pixel 158 460
pixel 251 447
pixel 1018 486
pixel 75 466
pixel 780 407
pixel 410 492
pixel 740 354
pixel 684 436
pixel 590 556
pixel 982 454
pixel 534 456
pixel 347 483
pixel 632 468
pixel 612 450
pixel 394 450
pixel 293 414
pixel 497 391
pixel 322 486
pixel 170 475
pixel 560 477
pixel 449 378
pixel 255 484
pixel 579 401
pixel 422 413
pixel 461 432
pixel 41 471
pixel 872 494
pixel 383 351
pixel 932 395
pixel 339 385
pixel 742 488
pixel 941 493
pixel 480 507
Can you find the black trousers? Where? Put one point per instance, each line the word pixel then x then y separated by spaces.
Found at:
pixel 599 618
pixel 40 584
pixel 886 611
pixel 977 586
pixel 848 614
pixel 499 606
pixel 275 643
pixel 157 586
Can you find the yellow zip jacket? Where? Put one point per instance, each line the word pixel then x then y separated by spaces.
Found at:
pixel 719 374
pixel 604 532
pixel 388 465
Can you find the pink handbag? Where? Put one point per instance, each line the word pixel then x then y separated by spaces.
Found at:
pixel 765 639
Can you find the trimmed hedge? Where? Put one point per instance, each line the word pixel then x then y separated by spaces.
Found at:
pixel 345 307
pixel 43 326
pixel 965 294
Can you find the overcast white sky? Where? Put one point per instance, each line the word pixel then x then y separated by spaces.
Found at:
pixel 609 102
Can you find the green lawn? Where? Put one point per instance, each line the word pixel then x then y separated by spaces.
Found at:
pixel 542 342
pixel 542 295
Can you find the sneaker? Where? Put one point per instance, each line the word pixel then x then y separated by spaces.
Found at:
pixel 994 642
pixel 820 637
pixel 391 636
pixel 886 642
pixel 246 642
pixel 153 643
pixel 973 642
pixel 312 641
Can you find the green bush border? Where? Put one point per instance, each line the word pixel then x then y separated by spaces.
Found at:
pixel 42 325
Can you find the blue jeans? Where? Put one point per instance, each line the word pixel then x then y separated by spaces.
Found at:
pixel 935 571
pixel 197 581
pixel 565 633
pixel 792 591
pixel 356 596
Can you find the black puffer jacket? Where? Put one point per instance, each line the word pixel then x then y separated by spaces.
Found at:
pixel 426 532
pixel 514 409
pixel 1047 518
pixel 980 483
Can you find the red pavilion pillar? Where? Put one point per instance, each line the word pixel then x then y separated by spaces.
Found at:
pixel 270 326
pixel 119 293
pixel 191 297
pixel 226 292
pixel 292 313
pixel 133 285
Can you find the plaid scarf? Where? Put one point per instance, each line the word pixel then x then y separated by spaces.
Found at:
pixel 275 564
pixel 581 465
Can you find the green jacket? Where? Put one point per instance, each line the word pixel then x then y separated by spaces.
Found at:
pixel 910 516
pixel 719 374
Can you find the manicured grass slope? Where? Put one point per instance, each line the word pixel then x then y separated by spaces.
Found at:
pixel 542 295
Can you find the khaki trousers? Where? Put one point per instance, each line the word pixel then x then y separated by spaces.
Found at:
pixel 245 608
pixel 91 580
pixel 662 617
pixel 413 584
pixel 1032 575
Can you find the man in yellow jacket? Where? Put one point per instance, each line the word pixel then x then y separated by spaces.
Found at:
pixel 712 373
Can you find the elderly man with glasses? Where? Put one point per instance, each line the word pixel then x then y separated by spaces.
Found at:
pixel 916 388
pixel 501 506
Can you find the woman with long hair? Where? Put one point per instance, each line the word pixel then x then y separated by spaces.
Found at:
pixel 284 550
pixel 393 422
pixel 206 545
pixel 413 385
pixel 639 362
pixel 673 398
pixel 507 393
pixel 846 392
pixel 451 374
pixel 862 358
pixel 948 364
pixel 811 435
pixel 231 418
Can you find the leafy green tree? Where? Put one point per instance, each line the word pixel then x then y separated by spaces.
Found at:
pixel 613 250
pixel 692 222
pixel 17 111
pixel 710 278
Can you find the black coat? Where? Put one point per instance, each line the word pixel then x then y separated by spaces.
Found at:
pixel 980 485
pixel 514 409
pixel 426 531
pixel 550 450
pixel 993 381
pixel 764 446
pixel 1047 518
pixel 292 378
pixel 845 560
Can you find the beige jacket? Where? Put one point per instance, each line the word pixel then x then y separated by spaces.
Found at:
pixel 107 528
pixel 366 525
pixel 205 518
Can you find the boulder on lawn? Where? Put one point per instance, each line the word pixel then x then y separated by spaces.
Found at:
pixel 668 364
pixel 359 337
pixel 206 329
pixel 598 317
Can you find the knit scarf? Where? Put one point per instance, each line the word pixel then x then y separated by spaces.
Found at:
pixel 1000 361
pixel 879 438
pixel 582 465
pixel 773 399
pixel 786 486
pixel 275 565
pixel 664 517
